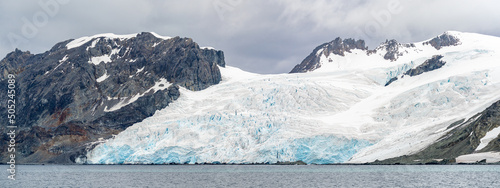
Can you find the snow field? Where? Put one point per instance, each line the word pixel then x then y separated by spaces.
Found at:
pixel 338 113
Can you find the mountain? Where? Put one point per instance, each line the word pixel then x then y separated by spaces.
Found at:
pixel 91 88
pixel 435 101
pixel 389 50
pixel 149 99
pixel 337 47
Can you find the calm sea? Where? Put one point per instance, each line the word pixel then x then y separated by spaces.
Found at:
pixel 252 176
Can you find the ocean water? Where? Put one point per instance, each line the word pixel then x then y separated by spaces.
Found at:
pixel 252 176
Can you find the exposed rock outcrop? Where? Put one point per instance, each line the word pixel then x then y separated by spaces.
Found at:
pixel 429 65
pixel 462 138
pixel 392 49
pixel 94 87
pixel 442 41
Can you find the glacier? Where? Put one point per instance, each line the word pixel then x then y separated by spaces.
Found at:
pixel 340 113
pixel 249 124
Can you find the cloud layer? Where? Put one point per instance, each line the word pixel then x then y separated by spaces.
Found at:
pixel 258 36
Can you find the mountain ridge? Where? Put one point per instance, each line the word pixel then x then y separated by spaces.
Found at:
pixel 93 87
pixel 390 49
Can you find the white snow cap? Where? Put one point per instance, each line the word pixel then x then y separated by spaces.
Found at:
pixel 207 48
pixel 82 40
pixel 160 37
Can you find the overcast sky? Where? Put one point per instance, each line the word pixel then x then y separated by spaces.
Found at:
pixel 256 35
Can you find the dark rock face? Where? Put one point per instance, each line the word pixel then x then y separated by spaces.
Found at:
pixel 69 98
pixel 392 48
pixel 442 41
pixel 463 138
pixel 18 60
pixel 337 46
pixel 216 56
pixel 391 80
pixel 429 65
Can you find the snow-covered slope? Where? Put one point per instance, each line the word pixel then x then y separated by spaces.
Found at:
pixel 341 112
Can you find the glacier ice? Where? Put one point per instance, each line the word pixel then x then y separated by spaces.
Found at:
pixel 338 113
pixel 311 150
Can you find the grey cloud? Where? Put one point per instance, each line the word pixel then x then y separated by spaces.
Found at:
pixel 259 36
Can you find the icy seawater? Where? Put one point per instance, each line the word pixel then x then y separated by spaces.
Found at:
pixel 252 176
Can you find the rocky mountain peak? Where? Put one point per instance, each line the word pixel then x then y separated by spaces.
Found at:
pixel 18 58
pixel 391 49
pixel 339 46
pixel 336 46
pixel 92 87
